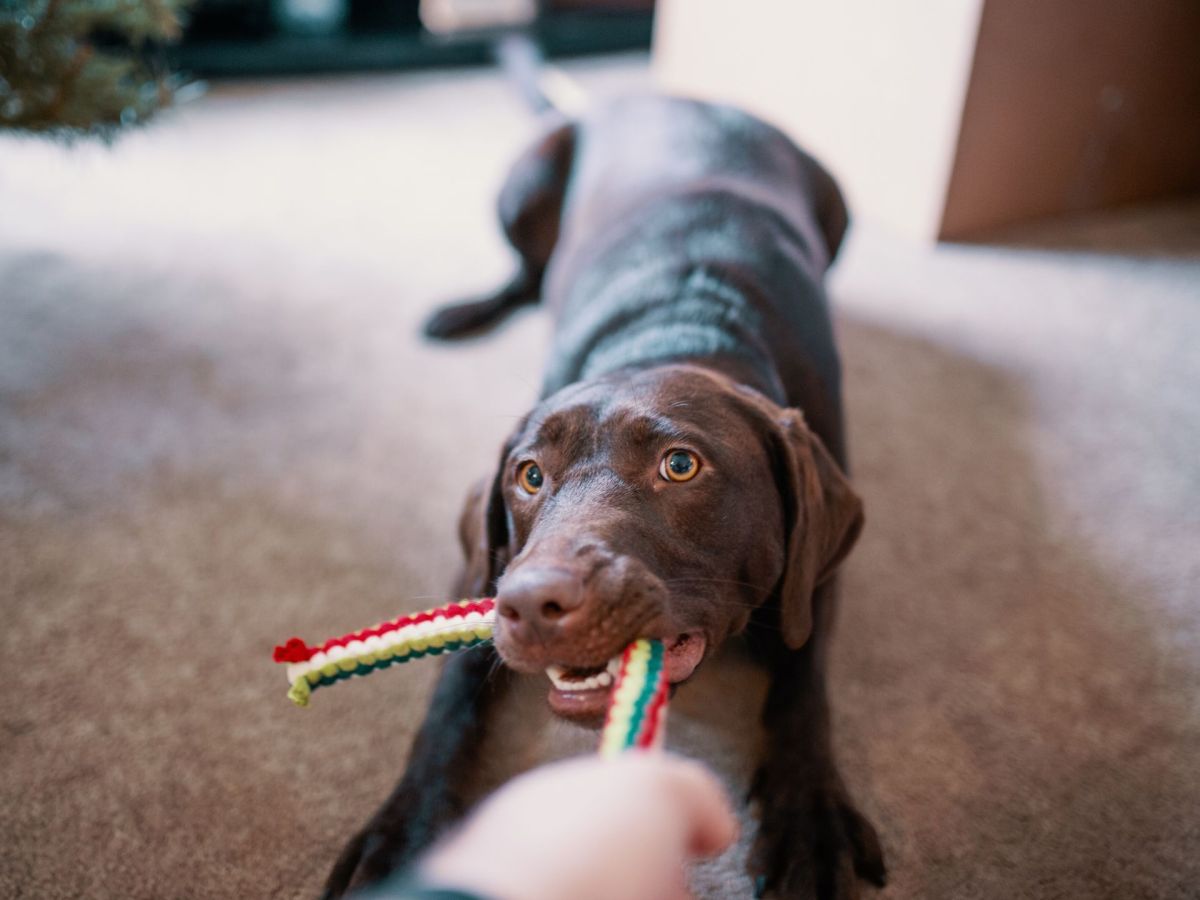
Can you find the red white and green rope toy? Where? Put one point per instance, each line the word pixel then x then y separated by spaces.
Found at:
pixel 455 626
pixel 637 706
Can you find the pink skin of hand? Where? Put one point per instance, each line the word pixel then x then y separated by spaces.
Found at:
pixel 590 829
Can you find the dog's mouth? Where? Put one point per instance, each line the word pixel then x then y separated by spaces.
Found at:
pixel 582 694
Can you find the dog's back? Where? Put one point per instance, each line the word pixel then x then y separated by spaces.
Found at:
pixel 632 152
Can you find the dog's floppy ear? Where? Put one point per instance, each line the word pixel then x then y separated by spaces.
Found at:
pixel 483 533
pixel 823 517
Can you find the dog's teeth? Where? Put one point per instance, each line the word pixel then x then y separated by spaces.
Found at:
pixel 555 673
pixel 614 667
pixel 558 676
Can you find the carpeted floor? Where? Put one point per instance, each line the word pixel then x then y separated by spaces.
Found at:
pixel 219 428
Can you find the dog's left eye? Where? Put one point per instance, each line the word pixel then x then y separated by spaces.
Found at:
pixel 679 465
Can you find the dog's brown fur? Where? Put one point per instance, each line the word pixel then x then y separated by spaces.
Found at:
pixel 682 248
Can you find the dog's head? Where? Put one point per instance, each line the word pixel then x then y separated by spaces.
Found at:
pixel 671 503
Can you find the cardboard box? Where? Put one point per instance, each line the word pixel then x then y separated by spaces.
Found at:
pixel 952 118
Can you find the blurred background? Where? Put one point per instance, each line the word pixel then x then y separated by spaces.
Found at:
pixel 221 225
pixel 227 37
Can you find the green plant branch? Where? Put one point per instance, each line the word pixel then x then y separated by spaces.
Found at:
pixel 55 79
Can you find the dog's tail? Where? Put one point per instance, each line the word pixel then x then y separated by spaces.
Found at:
pixel 543 85
pixel 531 200
pixel 508 27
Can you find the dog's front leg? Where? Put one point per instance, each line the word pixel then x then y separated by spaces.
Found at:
pixel 812 841
pixel 432 794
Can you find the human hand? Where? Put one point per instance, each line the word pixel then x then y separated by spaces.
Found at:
pixel 589 829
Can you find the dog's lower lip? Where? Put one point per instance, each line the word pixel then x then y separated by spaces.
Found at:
pixel 585 706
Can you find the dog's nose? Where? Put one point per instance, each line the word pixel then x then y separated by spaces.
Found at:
pixel 538 600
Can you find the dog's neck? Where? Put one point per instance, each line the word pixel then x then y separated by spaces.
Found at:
pixel 649 320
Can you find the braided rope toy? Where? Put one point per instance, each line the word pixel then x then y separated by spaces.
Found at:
pixel 454 626
pixel 637 705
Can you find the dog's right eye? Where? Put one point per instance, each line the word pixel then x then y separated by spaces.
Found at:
pixel 530 477
pixel 679 465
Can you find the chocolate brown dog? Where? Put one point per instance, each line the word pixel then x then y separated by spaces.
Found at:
pixel 682 476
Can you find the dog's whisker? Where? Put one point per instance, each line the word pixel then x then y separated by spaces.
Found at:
pixel 730 581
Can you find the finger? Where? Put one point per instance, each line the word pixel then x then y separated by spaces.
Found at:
pixel 710 825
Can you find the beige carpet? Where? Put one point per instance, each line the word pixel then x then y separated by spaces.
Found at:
pixel 218 428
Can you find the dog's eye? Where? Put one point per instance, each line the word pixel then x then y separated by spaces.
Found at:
pixel 530 477
pixel 679 465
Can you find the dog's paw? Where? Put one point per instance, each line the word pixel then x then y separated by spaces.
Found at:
pixel 815 844
pixel 474 316
pixel 459 319
pixel 368 858
pixel 388 843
